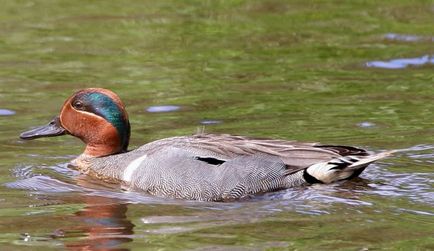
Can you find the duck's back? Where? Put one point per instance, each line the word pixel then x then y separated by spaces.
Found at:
pixel 224 147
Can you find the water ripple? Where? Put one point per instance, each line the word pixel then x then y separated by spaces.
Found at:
pixel 45 184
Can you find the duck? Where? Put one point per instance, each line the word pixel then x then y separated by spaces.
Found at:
pixel 205 167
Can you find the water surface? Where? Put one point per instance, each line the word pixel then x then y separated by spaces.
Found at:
pixel 278 69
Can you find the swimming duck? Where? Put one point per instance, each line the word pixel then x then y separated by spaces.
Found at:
pixel 205 167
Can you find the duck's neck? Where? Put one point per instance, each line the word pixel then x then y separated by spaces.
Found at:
pixel 101 150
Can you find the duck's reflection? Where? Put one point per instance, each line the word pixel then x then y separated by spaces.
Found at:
pixel 102 221
pixel 104 224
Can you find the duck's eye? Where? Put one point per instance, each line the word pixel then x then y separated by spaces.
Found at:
pixel 78 105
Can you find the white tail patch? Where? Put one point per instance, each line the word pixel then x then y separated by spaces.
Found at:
pixel 129 171
pixel 343 167
pixel 323 172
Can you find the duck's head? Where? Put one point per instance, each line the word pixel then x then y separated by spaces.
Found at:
pixel 97 116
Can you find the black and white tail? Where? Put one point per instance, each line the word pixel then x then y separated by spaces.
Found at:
pixel 341 168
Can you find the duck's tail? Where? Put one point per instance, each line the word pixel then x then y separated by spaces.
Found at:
pixel 341 168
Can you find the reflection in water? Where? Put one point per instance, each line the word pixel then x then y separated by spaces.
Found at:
pixel 407 37
pixel 101 224
pixel 6 112
pixel 104 223
pixel 210 122
pixel 163 108
pixel 401 63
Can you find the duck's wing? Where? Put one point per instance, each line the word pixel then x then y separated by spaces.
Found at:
pixel 218 149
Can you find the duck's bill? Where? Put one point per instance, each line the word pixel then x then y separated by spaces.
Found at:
pixel 52 129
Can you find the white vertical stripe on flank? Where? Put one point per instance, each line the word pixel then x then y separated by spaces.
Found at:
pixel 128 172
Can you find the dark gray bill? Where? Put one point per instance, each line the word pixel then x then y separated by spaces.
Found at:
pixel 50 130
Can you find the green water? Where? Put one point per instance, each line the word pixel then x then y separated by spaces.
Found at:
pixel 304 70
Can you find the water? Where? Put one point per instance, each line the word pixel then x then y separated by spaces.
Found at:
pixel 292 70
